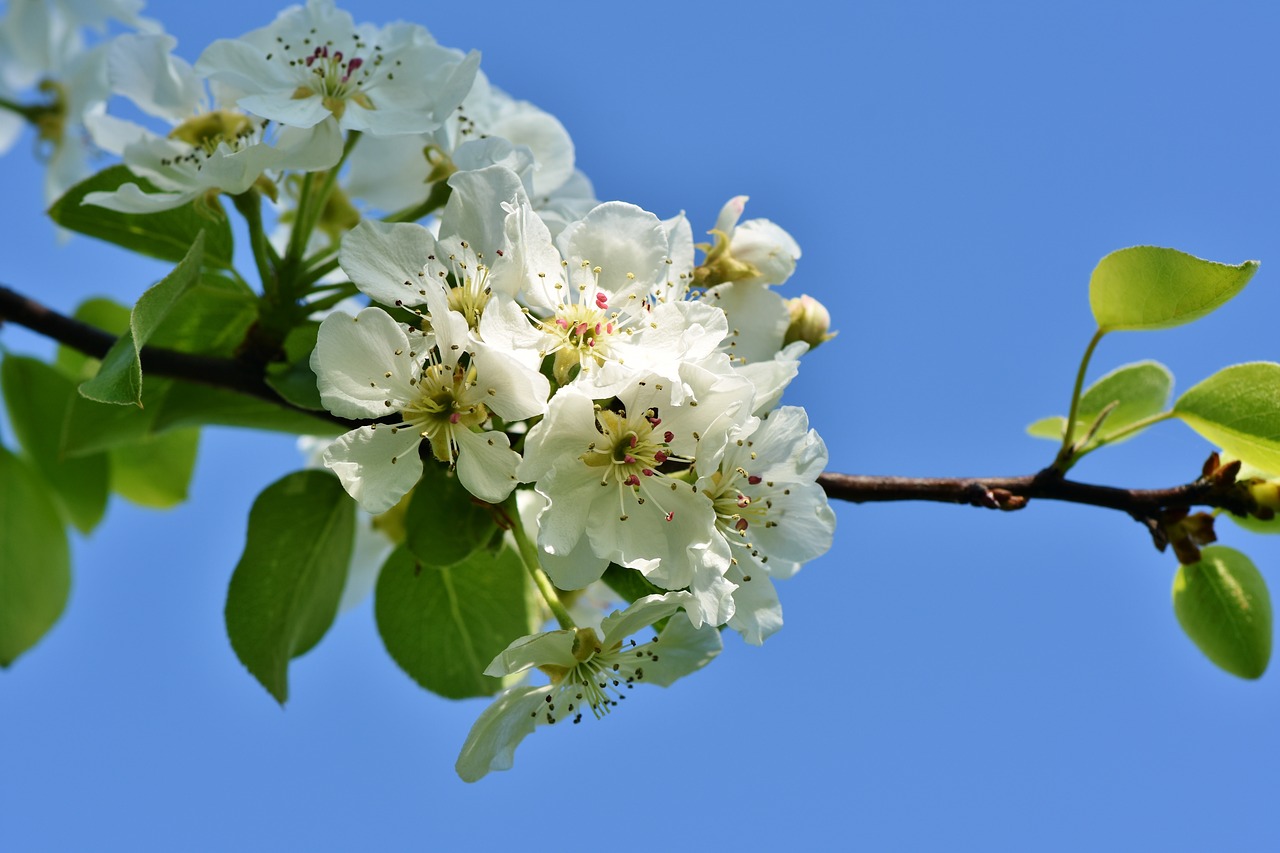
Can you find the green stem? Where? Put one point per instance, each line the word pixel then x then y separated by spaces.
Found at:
pixel 1064 455
pixel 435 200
pixel 264 255
pixel 314 274
pixel 1136 426
pixel 529 556
pixel 27 112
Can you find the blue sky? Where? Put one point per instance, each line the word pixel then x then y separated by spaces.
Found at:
pixel 947 678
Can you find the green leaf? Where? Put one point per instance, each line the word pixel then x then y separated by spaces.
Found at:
pixel 444 524
pixel 91 426
pixel 1238 410
pixel 1140 391
pixel 285 590
pixel 119 379
pixel 1147 287
pixel 156 470
pixel 293 378
pixel 444 625
pixel 186 404
pixel 166 235
pixel 106 314
pixel 38 398
pixel 629 583
pixel 1223 605
pixel 35 561
pixel 211 318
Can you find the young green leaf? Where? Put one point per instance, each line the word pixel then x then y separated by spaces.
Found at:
pixel 444 524
pixel 1238 410
pixel 444 624
pixel 35 561
pixel 166 235
pixel 285 590
pixel 1223 605
pixel 293 378
pixel 119 379
pixel 1147 287
pixel 1139 391
pixel 156 470
pixel 38 398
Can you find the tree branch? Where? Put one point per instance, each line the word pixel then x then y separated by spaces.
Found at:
pixel 1148 506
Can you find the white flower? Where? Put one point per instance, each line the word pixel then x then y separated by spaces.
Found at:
pixel 593 301
pixel 752 252
pixel 369 366
pixel 489 128
pixel 769 510
pixel 609 499
pixel 314 62
pixel 208 151
pixel 589 673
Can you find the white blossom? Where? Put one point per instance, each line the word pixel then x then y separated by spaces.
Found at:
pixel 588 672
pixel 314 62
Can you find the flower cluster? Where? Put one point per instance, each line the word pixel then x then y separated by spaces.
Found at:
pixel 506 325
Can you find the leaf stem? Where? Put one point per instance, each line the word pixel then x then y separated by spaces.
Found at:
pixel 529 556
pixel 1066 453
pixel 1136 426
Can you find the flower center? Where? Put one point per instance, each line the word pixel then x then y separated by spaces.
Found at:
pixel 444 404
pixel 628 449
pixel 337 77
pixel 207 131
pixel 584 336
pixel 736 510
pixel 600 678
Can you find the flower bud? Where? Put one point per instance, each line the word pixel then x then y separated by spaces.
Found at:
pixel 810 322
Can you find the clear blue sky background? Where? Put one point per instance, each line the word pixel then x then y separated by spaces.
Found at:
pixel 948 678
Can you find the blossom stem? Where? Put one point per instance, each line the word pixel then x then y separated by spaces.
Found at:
pixel 529 556
pixel 1136 426
pixel 435 200
pixel 1066 455
pixel 30 113
pixel 264 256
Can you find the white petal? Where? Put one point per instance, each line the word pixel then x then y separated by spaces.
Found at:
pixel 352 360
pixel 627 243
pixel 642 612
pixel 486 464
pixel 474 211
pixel 547 647
pixel 491 743
pixel 384 260
pixel 682 650
pixel 377 465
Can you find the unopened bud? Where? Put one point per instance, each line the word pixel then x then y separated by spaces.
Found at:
pixel 810 322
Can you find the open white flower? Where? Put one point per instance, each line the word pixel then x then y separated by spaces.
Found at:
pixel 370 366
pixel 610 500
pixel 314 62
pixel 209 151
pixel 589 674
pixel 770 511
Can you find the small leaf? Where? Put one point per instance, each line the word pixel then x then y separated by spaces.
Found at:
pixel 1147 287
pixel 211 318
pixel 166 235
pixel 38 398
pixel 119 380
pixel 1238 410
pixel 1140 391
pixel 285 590
pixel 1223 605
pixel 444 624
pixel 156 470
pixel 106 314
pixel 444 524
pixel 35 561
pixel 91 426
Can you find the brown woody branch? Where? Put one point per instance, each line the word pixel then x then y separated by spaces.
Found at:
pixel 1152 507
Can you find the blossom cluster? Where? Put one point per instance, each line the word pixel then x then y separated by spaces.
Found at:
pixel 525 335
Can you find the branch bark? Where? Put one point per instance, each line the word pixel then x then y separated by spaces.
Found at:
pixel 1148 506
